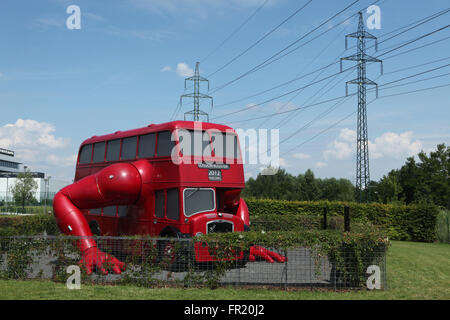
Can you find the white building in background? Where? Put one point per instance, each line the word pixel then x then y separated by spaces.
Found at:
pixel 10 167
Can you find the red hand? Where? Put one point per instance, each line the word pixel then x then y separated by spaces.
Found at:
pixel 258 251
pixel 94 257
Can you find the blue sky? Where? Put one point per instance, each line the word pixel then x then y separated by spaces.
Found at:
pixel 125 68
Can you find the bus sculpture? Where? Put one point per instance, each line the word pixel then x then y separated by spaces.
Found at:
pixel 177 179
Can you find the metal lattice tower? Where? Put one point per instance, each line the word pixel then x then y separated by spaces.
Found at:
pixel 196 95
pixel 362 153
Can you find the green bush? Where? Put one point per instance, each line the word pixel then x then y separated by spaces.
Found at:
pixel 414 222
pixel 443 226
pixel 28 225
pixel 350 253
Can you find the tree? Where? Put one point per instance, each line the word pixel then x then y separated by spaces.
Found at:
pixel 426 179
pixel 388 189
pixel 304 187
pixel 24 189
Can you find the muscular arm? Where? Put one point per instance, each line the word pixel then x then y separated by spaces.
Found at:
pixel 117 184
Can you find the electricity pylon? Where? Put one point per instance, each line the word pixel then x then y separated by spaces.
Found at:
pixel 362 153
pixel 196 95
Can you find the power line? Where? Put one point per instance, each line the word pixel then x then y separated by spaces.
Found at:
pixel 261 39
pixel 414 25
pixel 235 31
pixel 279 52
pixel 340 97
pixel 332 75
pixel 382 97
pixel 353 112
pixel 343 98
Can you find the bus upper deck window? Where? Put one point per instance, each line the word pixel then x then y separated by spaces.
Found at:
pixel 129 146
pixel 165 144
pixel 86 153
pixel 147 145
pixel 225 145
pixel 110 211
pixel 113 150
pixel 99 152
pixel 197 143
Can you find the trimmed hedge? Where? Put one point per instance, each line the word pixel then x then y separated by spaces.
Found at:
pixel 350 253
pixel 28 225
pixel 415 222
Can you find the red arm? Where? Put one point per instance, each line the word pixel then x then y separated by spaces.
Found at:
pixel 117 184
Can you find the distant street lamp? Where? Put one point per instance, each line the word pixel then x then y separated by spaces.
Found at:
pixel 8 175
pixel 46 192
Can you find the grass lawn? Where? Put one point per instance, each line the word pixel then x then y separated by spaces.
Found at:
pixel 415 271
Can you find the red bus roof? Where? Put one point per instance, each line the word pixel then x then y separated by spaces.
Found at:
pixel 167 126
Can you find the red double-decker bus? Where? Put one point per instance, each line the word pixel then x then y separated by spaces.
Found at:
pixel 192 187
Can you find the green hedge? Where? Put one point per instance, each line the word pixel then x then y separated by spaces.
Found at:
pixel 350 253
pixel 403 222
pixel 28 225
pixel 415 222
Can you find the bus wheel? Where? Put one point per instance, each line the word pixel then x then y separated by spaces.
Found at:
pixel 167 251
pixel 174 255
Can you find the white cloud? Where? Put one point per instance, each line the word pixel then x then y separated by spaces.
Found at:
pixel 35 144
pixel 166 69
pixel 284 163
pixel 389 144
pixel 62 161
pixel 183 70
pixel 30 134
pixel 321 164
pixel 93 16
pixel 394 145
pixel 149 35
pixel 343 146
pixel 301 156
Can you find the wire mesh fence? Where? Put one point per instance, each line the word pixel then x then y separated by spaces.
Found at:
pixel 184 262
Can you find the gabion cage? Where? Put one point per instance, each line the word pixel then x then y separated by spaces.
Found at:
pixel 179 262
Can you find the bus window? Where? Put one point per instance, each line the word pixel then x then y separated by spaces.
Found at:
pixel 172 204
pixel 237 150
pixel 113 150
pixel 86 154
pixel 198 200
pixel 129 146
pixel 147 145
pixel 159 204
pixel 109 211
pixel 225 145
pixel 195 139
pixel 95 211
pixel 123 211
pixel 165 144
pixel 99 152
